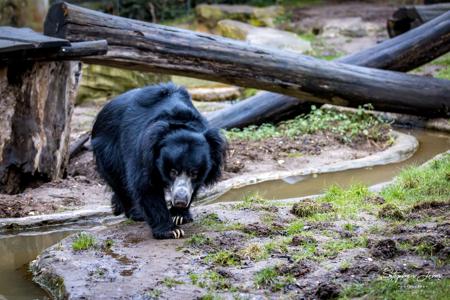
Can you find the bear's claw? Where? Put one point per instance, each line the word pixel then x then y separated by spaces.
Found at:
pixel 178 233
pixel 178 220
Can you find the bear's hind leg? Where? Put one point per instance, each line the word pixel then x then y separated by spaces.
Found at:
pixel 122 204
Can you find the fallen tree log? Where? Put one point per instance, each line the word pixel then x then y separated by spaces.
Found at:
pixel 156 48
pixel 402 53
pixel 77 146
pixel 408 17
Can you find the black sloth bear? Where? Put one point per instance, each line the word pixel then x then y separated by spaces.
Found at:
pixel 152 145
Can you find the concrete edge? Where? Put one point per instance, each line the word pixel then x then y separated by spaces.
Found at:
pixel 68 217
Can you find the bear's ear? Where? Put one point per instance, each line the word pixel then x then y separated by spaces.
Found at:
pixel 218 148
pixel 148 141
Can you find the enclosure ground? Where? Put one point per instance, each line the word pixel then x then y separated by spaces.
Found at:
pixel 347 243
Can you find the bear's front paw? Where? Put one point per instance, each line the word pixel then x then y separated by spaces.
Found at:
pixel 177 233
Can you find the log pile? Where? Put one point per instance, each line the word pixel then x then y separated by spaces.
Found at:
pixel 402 53
pixel 156 48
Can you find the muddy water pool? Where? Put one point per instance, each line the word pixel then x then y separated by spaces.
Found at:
pixel 16 251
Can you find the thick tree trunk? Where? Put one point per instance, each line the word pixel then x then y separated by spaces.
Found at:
pixel 402 53
pixel 407 17
pixel 36 103
pixel 152 47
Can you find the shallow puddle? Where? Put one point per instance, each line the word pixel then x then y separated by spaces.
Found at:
pixel 431 143
pixel 16 252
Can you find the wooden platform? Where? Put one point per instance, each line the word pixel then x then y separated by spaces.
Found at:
pixel 18 44
pixel 17 39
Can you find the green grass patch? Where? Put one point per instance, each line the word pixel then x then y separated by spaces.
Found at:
pixel 295 227
pixel 213 222
pixel 198 240
pixel 223 258
pixel 307 251
pixel 83 241
pixel 443 61
pixel 171 282
pixel 269 278
pixel 349 227
pixel 347 203
pixel 417 184
pixel 211 280
pixel 251 200
pixel 347 126
pixel 334 247
pixel 400 287
pixel 278 246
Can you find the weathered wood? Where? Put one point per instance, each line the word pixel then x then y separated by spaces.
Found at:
pixel 13 39
pixel 402 53
pixel 73 52
pixel 408 17
pixel 36 103
pixel 153 47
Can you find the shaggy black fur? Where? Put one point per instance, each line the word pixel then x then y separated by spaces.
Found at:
pixel 140 137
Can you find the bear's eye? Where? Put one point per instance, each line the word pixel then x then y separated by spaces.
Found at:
pixel 194 174
pixel 173 173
